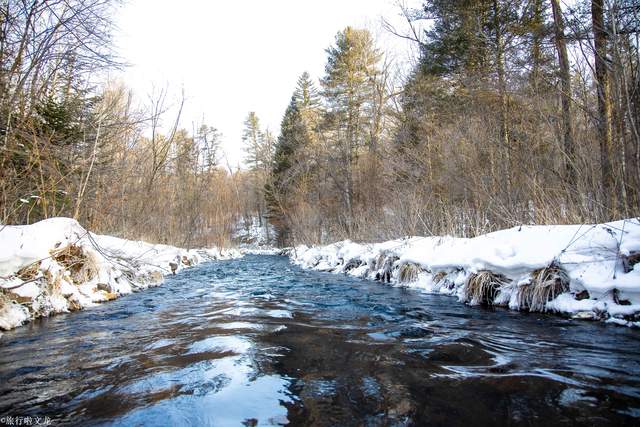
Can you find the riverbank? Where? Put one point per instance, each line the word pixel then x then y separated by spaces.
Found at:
pixel 584 271
pixel 56 266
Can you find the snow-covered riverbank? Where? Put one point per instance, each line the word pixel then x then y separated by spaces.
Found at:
pixel 57 266
pixel 586 271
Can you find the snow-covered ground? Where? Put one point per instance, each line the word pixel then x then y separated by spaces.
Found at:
pixel 586 271
pixel 56 266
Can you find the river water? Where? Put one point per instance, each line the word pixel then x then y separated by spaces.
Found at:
pixel 258 341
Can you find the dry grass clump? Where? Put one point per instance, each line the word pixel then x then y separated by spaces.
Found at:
pixel 81 267
pixel 437 278
pixel 483 286
pixel 546 284
pixel 29 272
pixel 408 273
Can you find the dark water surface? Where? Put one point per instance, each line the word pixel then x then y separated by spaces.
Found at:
pixel 258 341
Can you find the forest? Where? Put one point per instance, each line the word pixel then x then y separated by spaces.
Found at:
pixel 514 112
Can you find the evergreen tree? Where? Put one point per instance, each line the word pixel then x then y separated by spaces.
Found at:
pixel 208 139
pixel 293 136
pixel 253 138
pixel 306 95
pixel 457 42
pixel 296 131
pixel 308 103
pixel 349 90
pixel 349 83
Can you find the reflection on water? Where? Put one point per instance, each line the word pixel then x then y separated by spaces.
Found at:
pixel 260 342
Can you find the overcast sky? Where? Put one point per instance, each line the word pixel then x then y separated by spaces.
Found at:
pixel 236 56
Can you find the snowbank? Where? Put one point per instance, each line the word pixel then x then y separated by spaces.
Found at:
pixel 57 266
pixel 587 271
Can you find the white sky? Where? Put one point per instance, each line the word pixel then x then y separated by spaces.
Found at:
pixel 236 56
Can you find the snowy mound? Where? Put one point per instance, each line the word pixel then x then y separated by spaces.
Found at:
pixel 57 266
pixel 588 271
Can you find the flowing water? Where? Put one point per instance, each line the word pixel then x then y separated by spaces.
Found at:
pixel 258 341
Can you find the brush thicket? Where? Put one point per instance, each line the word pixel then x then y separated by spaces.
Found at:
pixel 482 287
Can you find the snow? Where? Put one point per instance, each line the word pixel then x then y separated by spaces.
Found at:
pixel 28 290
pixel 254 234
pixel 12 315
pixel 592 256
pixel 566 303
pixel 102 268
pixel 264 251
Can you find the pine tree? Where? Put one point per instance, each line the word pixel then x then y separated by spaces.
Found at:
pixel 457 42
pixel 293 136
pixel 349 90
pixel 252 137
pixel 351 70
pixel 297 133
pixel 208 140
pixel 306 95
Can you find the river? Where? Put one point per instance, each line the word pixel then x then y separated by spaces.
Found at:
pixel 258 341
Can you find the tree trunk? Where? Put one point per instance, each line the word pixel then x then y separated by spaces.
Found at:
pixel 565 79
pixel 536 45
pixel 603 122
pixel 504 102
